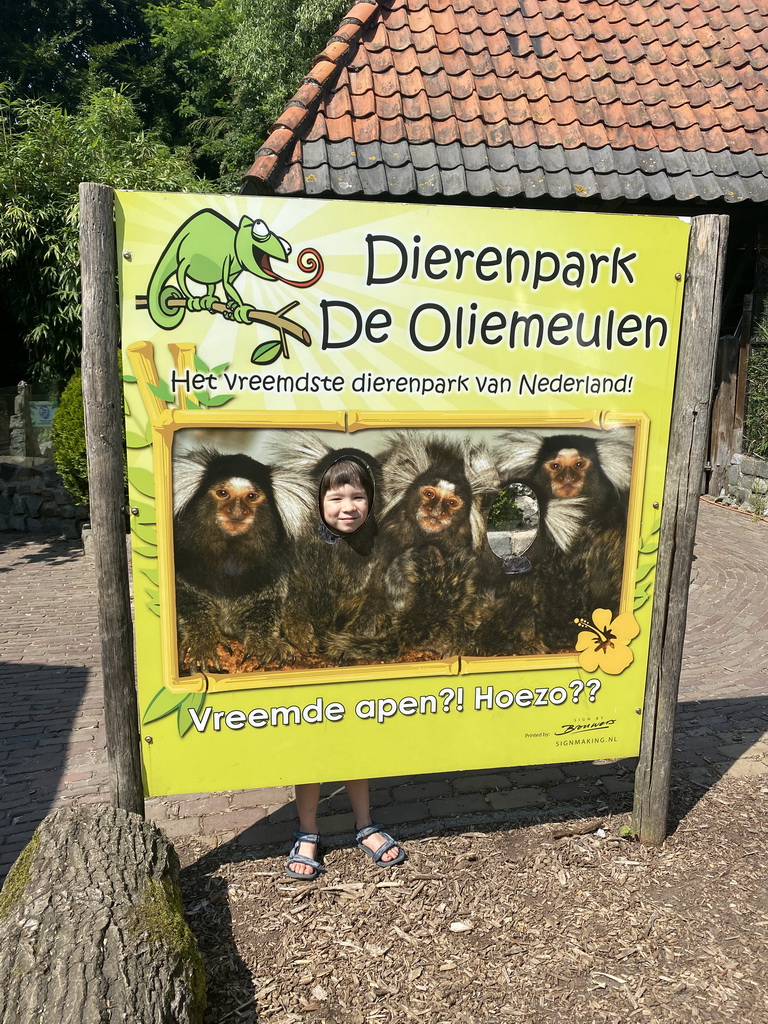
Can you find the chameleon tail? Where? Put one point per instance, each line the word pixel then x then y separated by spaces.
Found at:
pixel 159 291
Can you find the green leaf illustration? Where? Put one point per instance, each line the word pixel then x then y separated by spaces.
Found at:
pixel 163 392
pixel 152 576
pixel 648 547
pixel 195 701
pixel 220 368
pixel 144 552
pixel 135 440
pixel 163 703
pixel 219 400
pixel 142 480
pixel 202 397
pixel 200 365
pixel 127 379
pixel 145 532
pixel 190 403
pixel 267 352
pixel 154 607
pixel 643 571
pixel 639 602
pixel 656 525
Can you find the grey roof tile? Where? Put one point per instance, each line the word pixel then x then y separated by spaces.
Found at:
pixel 424 155
pixel 345 181
pixel 341 154
pixel 401 180
pixel 658 186
pixel 480 182
pixel 454 180
pixel 374 179
pixel 475 157
pixel 450 156
pixel 395 154
pixel 313 153
pixel 502 158
pixel 317 180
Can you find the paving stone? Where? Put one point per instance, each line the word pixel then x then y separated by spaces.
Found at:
pixel 513 799
pixel 468 803
pixel 569 791
pixel 472 783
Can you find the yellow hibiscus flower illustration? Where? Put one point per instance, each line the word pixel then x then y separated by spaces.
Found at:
pixel 604 642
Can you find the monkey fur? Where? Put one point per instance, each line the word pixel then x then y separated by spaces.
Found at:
pixel 581 483
pixel 229 554
pixel 433 588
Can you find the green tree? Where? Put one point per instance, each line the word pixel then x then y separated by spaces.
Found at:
pixel 236 63
pixel 64 52
pixel 44 154
pixel 190 38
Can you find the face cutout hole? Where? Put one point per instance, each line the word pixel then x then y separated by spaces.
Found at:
pixel 513 521
pixel 346 496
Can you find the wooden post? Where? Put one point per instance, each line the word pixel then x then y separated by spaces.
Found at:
pixel 721 436
pixel 104 442
pixel 687 449
pixel 740 401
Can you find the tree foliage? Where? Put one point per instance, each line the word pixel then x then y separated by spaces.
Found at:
pixel 44 154
pixel 134 94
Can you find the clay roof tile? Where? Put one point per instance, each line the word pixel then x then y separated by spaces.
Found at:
pixel 584 78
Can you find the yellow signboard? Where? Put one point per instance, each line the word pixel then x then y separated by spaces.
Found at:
pixel 503 381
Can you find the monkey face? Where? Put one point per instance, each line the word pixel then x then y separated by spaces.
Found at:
pixel 567 472
pixel 439 504
pixel 235 502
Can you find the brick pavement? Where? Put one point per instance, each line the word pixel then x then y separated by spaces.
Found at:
pixel 52 747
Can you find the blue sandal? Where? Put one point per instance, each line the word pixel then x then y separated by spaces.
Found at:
pixel 294 857
pixel 388 844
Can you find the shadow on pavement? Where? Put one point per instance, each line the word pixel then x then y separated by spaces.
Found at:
pixel 56 551
pixel 38 707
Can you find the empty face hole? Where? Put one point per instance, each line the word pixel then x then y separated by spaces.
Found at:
pixel 513 520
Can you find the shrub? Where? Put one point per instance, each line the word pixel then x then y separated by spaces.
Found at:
pixel 68 435
pixel 756 425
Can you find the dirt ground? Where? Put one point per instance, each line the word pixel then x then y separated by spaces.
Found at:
pixel 546 923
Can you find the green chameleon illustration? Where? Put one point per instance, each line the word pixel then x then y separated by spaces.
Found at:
pixel 209 250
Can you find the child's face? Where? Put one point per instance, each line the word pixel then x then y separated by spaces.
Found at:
pixel 345 508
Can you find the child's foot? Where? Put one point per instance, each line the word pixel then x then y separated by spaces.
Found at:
pixel 379 845
pixel 302 861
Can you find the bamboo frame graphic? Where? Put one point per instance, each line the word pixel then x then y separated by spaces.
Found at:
pixel 166 421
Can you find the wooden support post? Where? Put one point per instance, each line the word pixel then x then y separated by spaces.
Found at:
pixel 740 401
pixel 721 436
pixel 687 449
pixel 104 442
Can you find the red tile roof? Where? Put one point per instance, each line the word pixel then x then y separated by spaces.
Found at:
pixel 606 98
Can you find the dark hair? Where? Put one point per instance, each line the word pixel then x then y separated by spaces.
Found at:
pixel 347 471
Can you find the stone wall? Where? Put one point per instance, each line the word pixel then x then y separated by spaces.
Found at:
pixel 747 484
pixel 33 500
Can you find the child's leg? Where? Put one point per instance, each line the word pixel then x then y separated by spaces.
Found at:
pixel 360 800
pixel 307 800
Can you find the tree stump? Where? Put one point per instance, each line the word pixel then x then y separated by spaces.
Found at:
pixel 92 927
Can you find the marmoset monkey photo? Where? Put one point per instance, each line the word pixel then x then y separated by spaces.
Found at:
pixel 230 559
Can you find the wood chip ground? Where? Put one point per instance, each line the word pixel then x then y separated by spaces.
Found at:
pixel 553 923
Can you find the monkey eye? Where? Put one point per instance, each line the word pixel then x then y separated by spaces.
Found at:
pixel 452 503
pixel 429 494
pixel 222 493
pixel 556 465
pixel 579 464
pixel 260 230
pixel 252 496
